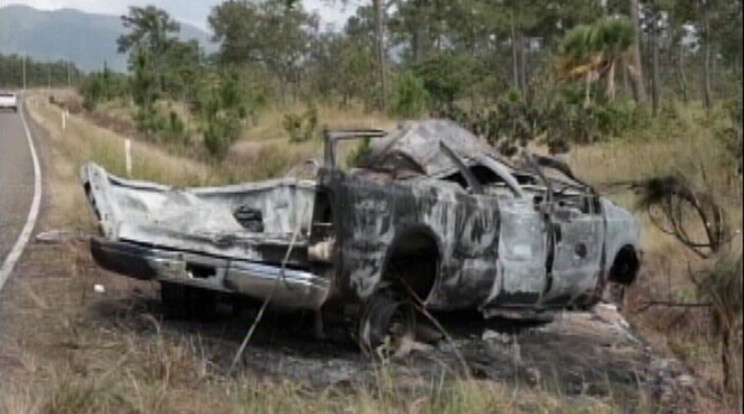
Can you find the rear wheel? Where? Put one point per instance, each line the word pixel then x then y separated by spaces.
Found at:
pixel 386 324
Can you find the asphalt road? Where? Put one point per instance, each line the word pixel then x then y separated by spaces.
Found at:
pixel 16 181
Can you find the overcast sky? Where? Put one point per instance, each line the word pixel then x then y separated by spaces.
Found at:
pixel 191 11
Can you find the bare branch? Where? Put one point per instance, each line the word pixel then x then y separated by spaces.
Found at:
pixel 653 303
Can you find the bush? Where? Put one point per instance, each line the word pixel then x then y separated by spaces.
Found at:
pixel 149 121
pixel 221 132
pixel 102 86
pixel 224 112
pixel 144 82
pixel 410 97
pixel 92 91
pixel 301 127
pixel 231 94
pixel 513 121
pixel 175 129
pixel 445 76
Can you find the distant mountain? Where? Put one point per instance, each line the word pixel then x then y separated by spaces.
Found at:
pixel 86 39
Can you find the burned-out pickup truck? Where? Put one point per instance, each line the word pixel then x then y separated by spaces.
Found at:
pixel 431 218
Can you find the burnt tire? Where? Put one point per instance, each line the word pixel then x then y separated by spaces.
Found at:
pixel 384 323
pixel 187 302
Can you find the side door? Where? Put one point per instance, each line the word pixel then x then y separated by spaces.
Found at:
pixel 524 241
pixel 578 227
pixel 523 252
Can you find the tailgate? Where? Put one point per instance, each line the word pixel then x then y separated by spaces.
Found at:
pixel 254 221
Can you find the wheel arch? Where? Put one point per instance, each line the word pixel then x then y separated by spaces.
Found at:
pixel 625 264
pixel 415 256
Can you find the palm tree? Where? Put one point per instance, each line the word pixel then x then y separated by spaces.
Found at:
pixel 590 51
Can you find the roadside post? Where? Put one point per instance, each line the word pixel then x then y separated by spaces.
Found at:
pixel 128 156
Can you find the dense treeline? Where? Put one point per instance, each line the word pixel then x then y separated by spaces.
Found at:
pixel 38 74
pixel 571 71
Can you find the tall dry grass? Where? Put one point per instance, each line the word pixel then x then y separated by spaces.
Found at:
pixel 263 150
pixel 687 145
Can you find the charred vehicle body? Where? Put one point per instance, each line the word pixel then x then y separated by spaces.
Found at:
pixel 432 217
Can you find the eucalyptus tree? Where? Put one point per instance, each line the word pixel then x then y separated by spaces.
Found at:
pixel 149 27
pixel 151 31
pixel 153 47
pixel 275 34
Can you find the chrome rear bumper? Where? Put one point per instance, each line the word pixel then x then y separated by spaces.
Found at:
pixel 288 288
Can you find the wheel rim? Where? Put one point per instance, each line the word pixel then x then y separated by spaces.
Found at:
pixel 385 325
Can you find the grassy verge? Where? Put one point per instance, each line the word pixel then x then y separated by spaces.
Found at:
pixel 262 151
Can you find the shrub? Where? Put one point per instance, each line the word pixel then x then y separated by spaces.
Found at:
pixel 445 76
pixel 221 132
pixel 102 86
pixel 231 95
pixel 224 112
pixel 174 130
pixel 92 91
pixel 149 121
pixel 410 97
pixel 559 121
pixel 301 127
pixel 144 82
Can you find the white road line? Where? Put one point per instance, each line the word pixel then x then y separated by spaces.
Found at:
pixel 28 228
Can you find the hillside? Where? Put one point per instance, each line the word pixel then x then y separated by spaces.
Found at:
pixel 84 38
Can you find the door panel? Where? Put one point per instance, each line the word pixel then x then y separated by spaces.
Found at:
pixel 579 232
pixel 523 251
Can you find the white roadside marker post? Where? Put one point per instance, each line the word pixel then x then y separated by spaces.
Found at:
pixel 128 156
pixel 64 120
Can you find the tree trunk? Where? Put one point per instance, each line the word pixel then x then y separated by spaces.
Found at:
pixel 639 90
pixel 296 87
pixel 611 82
pixel 587 90
pixel 515 63
pixel 707 95
pixel 713 68
pixel 379 40
pixel 624 68
pixel 655 79
pixel 472 84
pixel 415 52
pixel 522 64
pixel 681 72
